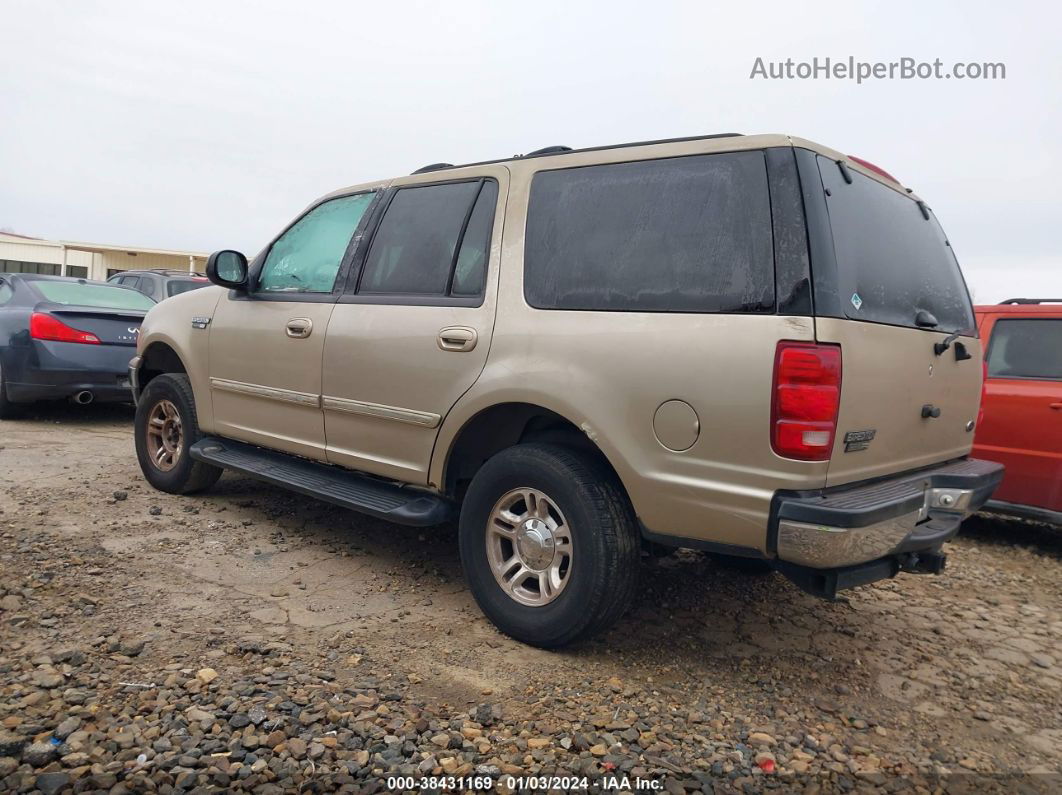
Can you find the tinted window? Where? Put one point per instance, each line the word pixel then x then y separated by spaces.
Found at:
pixel 15 266
pixel 470 272
pixel 147 286
pixel 413 249
pixel 1026 349
pixel 102 295
pixel 891 261
pixel 306 258
pixel 5 292
pixel 690 234
pixel 178 286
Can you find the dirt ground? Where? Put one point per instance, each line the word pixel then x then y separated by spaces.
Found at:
pixel 716 680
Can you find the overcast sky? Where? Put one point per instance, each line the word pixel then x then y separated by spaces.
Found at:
pixel 209 125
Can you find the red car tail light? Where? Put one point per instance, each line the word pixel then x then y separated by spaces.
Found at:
pixel 807 396
pixel 874 168
pixel 48 327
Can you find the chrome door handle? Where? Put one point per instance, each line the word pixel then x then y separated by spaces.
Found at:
pixel 299 327
pixel 457 338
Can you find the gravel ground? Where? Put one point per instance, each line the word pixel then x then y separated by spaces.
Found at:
pixel 247 639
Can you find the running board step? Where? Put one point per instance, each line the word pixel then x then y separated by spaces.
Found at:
pixel 348 489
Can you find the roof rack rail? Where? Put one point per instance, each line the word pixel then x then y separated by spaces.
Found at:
pixel 1031 301
pixel 549 150
pixel 560 150
pixel 433 167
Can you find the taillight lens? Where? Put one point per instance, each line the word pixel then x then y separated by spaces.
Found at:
pixel 807 396
pixel 48 327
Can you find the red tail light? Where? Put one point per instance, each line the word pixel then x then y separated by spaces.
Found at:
pixel 807 396
pixel 875 169
pixel 47 327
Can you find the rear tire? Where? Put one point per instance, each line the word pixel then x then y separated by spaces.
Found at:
pixel 165 428
pixel 574 539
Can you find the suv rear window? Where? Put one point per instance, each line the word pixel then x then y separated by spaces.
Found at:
pixel 1026 349
pixel 891 261
pixel 686 234
pixel 178 286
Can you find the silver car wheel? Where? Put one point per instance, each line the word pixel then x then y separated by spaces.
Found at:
pixel 529 547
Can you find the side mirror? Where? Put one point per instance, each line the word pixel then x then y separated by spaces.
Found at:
pixel 228 269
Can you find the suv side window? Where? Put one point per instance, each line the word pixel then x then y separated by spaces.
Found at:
pixel 130 281
pixel 470 270
pixel 147 286
pixel 685 234
pixel 1026 349
pixel 432 240
pixel 306 258
pixel 5 292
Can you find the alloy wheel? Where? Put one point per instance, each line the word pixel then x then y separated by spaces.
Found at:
pixel 529 547
pixel 163 435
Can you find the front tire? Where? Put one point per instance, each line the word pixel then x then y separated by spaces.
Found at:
pixel 549 544
pixel 165 428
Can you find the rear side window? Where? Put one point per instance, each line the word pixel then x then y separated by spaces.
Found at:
pixel 688 234
pixel 1026 349
pixel 73 293
pixel 892 262
pixel 432 240
pixel 470 270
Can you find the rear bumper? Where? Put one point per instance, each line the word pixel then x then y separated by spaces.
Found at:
pixel 834 530
pixel 105 387
pixel 48 370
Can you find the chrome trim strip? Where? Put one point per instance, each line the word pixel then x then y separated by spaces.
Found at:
pixel 424 419
pixel 268 392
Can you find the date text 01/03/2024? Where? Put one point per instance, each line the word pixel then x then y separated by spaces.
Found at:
pixel 524 783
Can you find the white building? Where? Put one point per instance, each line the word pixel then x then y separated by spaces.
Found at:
pixel 21 254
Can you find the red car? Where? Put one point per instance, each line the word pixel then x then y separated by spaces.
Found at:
pixel 1021 423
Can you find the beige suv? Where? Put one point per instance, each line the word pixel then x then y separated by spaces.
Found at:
pixel 750 345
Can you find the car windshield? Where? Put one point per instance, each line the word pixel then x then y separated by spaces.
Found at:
pixel 76 293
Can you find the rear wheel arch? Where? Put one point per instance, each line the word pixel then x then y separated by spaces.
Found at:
pixel 505 425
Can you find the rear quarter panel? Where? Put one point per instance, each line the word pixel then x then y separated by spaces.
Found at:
pixel 609 372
